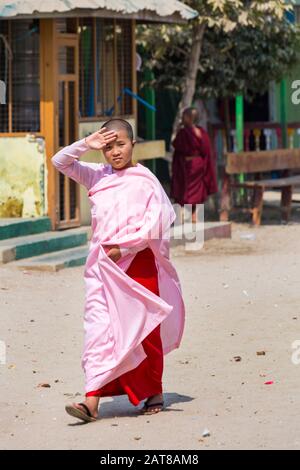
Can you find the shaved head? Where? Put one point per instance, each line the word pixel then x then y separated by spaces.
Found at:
pixel 192 113
pixel 117 124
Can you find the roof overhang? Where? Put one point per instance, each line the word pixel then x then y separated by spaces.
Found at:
pixel 171 11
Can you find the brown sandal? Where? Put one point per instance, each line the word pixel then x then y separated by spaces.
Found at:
pixel 77 413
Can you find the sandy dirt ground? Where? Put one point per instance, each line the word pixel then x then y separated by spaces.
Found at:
pixel 242 297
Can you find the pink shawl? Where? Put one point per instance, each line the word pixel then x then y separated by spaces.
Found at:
pixel 129 208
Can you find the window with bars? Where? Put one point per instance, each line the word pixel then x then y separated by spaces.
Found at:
pixel 19 69
pixel 105 67
pixel 66 25
pixel 124 63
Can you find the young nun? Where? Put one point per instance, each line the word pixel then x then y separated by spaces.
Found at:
pixel 134 311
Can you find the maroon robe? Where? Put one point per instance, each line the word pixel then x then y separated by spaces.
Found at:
pixel 195 179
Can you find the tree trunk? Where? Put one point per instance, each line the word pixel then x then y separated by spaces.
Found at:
pixel 189 85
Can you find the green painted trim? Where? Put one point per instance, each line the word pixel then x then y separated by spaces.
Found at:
pixel 283 113
pixel 75 262
pixel 19 227
pixel 56 260
pixel 239 113
pixel 239 125
pixel 29 249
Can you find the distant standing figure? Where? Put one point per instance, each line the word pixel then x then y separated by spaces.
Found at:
pixel 193 173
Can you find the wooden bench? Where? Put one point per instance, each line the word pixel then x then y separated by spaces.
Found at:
pixel 256 163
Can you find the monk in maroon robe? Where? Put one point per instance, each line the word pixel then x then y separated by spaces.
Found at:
pixel 193 169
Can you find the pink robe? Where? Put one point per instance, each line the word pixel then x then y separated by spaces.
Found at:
pixel 131 209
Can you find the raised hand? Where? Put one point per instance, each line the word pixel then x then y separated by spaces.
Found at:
pixel 99 139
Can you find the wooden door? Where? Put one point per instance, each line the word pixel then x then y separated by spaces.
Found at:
pixel 68 192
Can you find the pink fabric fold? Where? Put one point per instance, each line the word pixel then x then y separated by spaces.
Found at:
pixel 129 208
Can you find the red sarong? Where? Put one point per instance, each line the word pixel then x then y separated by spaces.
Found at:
pixel 146 379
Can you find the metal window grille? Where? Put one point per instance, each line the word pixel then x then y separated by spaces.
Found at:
pixel 22 112
pixel 86 67
pixel 66 25
pixel 4 73
pixel 124 64
pixel 105 65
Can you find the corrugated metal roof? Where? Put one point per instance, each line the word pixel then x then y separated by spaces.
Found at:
pixel 162 8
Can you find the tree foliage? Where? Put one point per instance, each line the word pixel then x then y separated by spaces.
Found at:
pixel 245 45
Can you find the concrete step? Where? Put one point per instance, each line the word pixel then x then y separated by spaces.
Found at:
pixel 33 245
pixel 54 261
pixel 71 257
pixel 193 236
pixel 18 227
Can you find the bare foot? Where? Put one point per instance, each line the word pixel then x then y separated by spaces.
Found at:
pixel 194 215
pixel 182 218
